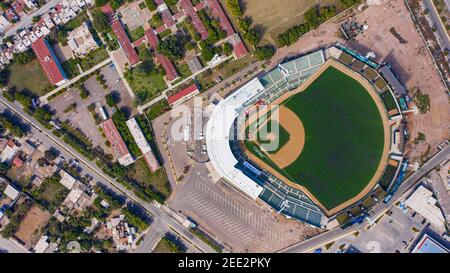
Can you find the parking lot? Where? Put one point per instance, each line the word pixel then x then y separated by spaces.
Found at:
pixel 390 234
pixel 245 225
pixel 81 117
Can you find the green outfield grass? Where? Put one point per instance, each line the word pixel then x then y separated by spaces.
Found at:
pixel 344 138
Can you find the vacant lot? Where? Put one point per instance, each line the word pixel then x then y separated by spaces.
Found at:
pixel 31 225
pixel 157 180
pixel 28 77
pixel 274 17
pixel 146 87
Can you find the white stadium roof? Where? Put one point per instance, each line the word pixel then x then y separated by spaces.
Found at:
pixel 217 138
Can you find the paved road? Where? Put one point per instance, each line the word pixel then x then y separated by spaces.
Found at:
pixel 28 21
pixel 437 22
pixel 151 239
pixel 9 246
pixel 44 99
pixel 171 219
pixel 334 234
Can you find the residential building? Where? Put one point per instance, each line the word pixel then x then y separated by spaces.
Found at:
pixel 9 152
pixel 115 139
pixel 81 41
pixel 183 95
pixel 11 192
pixel 49 62
pixel 143 145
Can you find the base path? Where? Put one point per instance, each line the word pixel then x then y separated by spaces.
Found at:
pixel 291 150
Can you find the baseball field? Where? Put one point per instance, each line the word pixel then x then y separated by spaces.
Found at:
pixel 343 134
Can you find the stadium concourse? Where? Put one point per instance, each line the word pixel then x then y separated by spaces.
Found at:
pixel 223 145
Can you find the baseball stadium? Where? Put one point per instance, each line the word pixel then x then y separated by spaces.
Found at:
pixel 317 138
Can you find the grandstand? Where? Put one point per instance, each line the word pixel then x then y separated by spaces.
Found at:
pixel 288 76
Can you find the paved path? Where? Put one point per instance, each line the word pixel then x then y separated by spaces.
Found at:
pixel 334 234
pixel 28 20
pixel 151 239
pixel 171 219
pixel 10 246
pixel 44 99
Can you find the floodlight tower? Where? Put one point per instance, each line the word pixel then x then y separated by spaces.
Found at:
pixel 283 206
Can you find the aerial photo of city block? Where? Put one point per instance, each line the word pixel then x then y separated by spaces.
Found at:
pixel 224 126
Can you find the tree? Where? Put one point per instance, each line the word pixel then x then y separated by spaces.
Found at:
pixel 264 52
pixel 36 19
pixel 244 24
pixel 4 6
pixel 235 8
pixel 110 99
pixel 100 21
pixel 171 2
pixel 349 3
pixel 51 154
pixel 3 78
pixel 227 48
pixel 100 3
pixel 253 37
pixel 151 5
pixel 207 52
pixel 24 57
pixel 3 168
pixel 144 68
pixel 172 47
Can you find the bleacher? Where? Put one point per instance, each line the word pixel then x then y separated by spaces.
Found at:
pixel 296 71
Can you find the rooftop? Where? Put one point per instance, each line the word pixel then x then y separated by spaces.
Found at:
pixel 49 62
pixel 117 143
pixel 183 95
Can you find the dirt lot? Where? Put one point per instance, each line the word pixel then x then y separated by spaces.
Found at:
pixel 133 16
pixel 274 17
pixel 30 227
pixel 410 62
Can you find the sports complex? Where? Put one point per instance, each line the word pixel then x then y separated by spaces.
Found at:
pixel 318 138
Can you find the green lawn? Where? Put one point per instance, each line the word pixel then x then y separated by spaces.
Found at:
pixel 50 194
pixel 388 176
pixel 29 77
pixel 157 180
pixel 183 70
pixel 388 100
pixel 166 245
pixel 94 57
pixel 157 109
pixel 135 34
pixel 344 138
pixel 146 87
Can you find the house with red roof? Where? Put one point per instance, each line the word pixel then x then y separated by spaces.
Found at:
pixel 183 95
pixel 49 62
pixel 121 35
pixel 190 11
pixel 153 41
pixel 117 143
